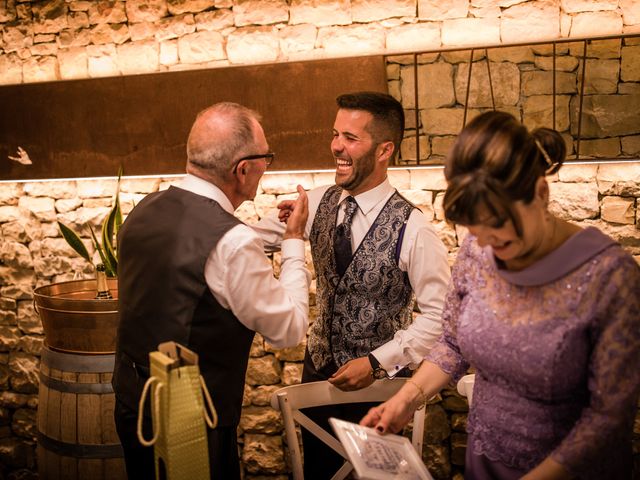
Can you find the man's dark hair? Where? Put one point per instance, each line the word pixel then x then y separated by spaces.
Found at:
pixel 387 113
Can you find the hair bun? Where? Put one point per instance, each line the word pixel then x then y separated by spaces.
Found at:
pixel 552 148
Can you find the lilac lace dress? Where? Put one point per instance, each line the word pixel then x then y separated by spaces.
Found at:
pixel 556 349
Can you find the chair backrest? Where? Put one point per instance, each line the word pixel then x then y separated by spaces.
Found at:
pixel 289 401
pixel 465 386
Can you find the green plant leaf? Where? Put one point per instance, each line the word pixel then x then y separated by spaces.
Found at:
pixel 99 248
pixel 74 241
pixel 108 231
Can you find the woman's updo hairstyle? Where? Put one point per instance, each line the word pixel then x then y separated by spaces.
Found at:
pixel 494 163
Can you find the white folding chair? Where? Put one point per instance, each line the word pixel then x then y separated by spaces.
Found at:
pixel 289 401
pixel 465 386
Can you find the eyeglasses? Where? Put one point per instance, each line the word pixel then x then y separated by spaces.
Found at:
pixel 268 158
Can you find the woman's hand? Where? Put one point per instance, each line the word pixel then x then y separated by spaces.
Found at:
pixel 394 414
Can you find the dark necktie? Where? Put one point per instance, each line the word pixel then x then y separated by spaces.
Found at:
pixel 342 239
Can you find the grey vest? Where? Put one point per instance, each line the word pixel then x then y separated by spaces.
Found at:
pixel 364 308
pixel 163 295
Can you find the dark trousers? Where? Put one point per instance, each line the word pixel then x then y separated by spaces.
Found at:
pixel 139 460
pixel 320 460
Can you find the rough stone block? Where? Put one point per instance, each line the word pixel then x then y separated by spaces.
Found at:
pixel 470 31
pixel 437 10
pixel 399 178
pixel 505 79
pixel 320 14
pixel 78 20
pixel 291 373
pixel 178 7
pixel 16 37
pixel 138 57
pixel 74 38
pixel 602 76
pixel 142 31
pixel 261 395
pixel 630 69
pixel 107 12
pixel 364 11
pixel 175 27
pixel 49 17
pixel 618 210
pixel 291 354
pixel 607 115
pixel 592 24
pixel 145 10
pixel 416 36
pixel 273 183
pixel 263 371
pixel 104 65
pixel 630 11
pixel 530 21
pixel 428 179
pixel 253 45
pixel 261 420
pixel 263 454
pixel 631 145
pixel 40 69
pixel 408 151
pixel 600 148
pixel 351 40
pixel 574 201
pixel 297 38
pixel 260 12
pixel 511 54
pixel 11 68
pixel 622 179
pixel 435 86
pixel 565 63
pixel 216 20
pixel 74 63
pixel 578 173
pixel 444 121
pixel 577 6
pixel 23 423
pixel 541 83
pixel 537 111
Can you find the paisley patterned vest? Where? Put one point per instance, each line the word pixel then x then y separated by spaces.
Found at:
pixel 364 308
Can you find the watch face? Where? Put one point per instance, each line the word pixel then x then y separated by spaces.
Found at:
pixel 379 373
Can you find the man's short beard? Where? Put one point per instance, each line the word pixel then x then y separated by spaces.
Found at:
pixel 364 166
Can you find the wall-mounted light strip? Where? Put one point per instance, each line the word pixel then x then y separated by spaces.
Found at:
pixel 297 172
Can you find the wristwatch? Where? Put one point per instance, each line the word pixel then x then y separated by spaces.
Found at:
pixel 378 372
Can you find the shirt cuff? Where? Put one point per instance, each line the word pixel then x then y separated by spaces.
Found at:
pixel 385 355
pixel 292 247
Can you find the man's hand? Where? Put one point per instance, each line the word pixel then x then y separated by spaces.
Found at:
pixel 298 212
pixel 285 207
pixel 353 375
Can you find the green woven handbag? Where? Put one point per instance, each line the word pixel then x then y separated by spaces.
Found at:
pixel 178 413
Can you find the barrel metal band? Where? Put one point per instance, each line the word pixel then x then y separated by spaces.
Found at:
pixel 75 450
pixel 69 362
pixel 68 387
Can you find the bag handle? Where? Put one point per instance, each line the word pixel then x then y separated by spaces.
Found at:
pixel 212 423
pixel 155 403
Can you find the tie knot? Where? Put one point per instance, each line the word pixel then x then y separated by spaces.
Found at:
pixel 350 209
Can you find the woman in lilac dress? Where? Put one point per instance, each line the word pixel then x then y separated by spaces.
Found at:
pixel 547 312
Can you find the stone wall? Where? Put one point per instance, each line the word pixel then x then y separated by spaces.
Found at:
pixel 59 40
pixel 521 82
pixel 34 254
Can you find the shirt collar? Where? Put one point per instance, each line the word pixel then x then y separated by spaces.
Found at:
pixel 368 200
pixel 203 188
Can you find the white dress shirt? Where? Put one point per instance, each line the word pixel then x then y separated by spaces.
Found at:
pixel 241 278
pixel 422 255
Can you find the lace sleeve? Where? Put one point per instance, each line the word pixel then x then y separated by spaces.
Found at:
pixel 446 353
pixel 603 430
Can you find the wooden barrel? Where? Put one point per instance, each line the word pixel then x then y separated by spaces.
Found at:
pixel 77 437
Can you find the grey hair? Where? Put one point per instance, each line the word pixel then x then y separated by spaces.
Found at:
pixel 229 132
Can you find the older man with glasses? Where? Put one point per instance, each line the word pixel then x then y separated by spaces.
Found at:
pixel 186 268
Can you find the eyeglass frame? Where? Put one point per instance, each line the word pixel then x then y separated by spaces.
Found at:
pixel 268 158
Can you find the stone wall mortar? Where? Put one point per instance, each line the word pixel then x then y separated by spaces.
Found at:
pixel 33 253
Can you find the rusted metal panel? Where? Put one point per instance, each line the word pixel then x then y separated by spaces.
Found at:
pixel 86 128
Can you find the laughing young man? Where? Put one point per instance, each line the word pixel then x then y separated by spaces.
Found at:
pixel 372 252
